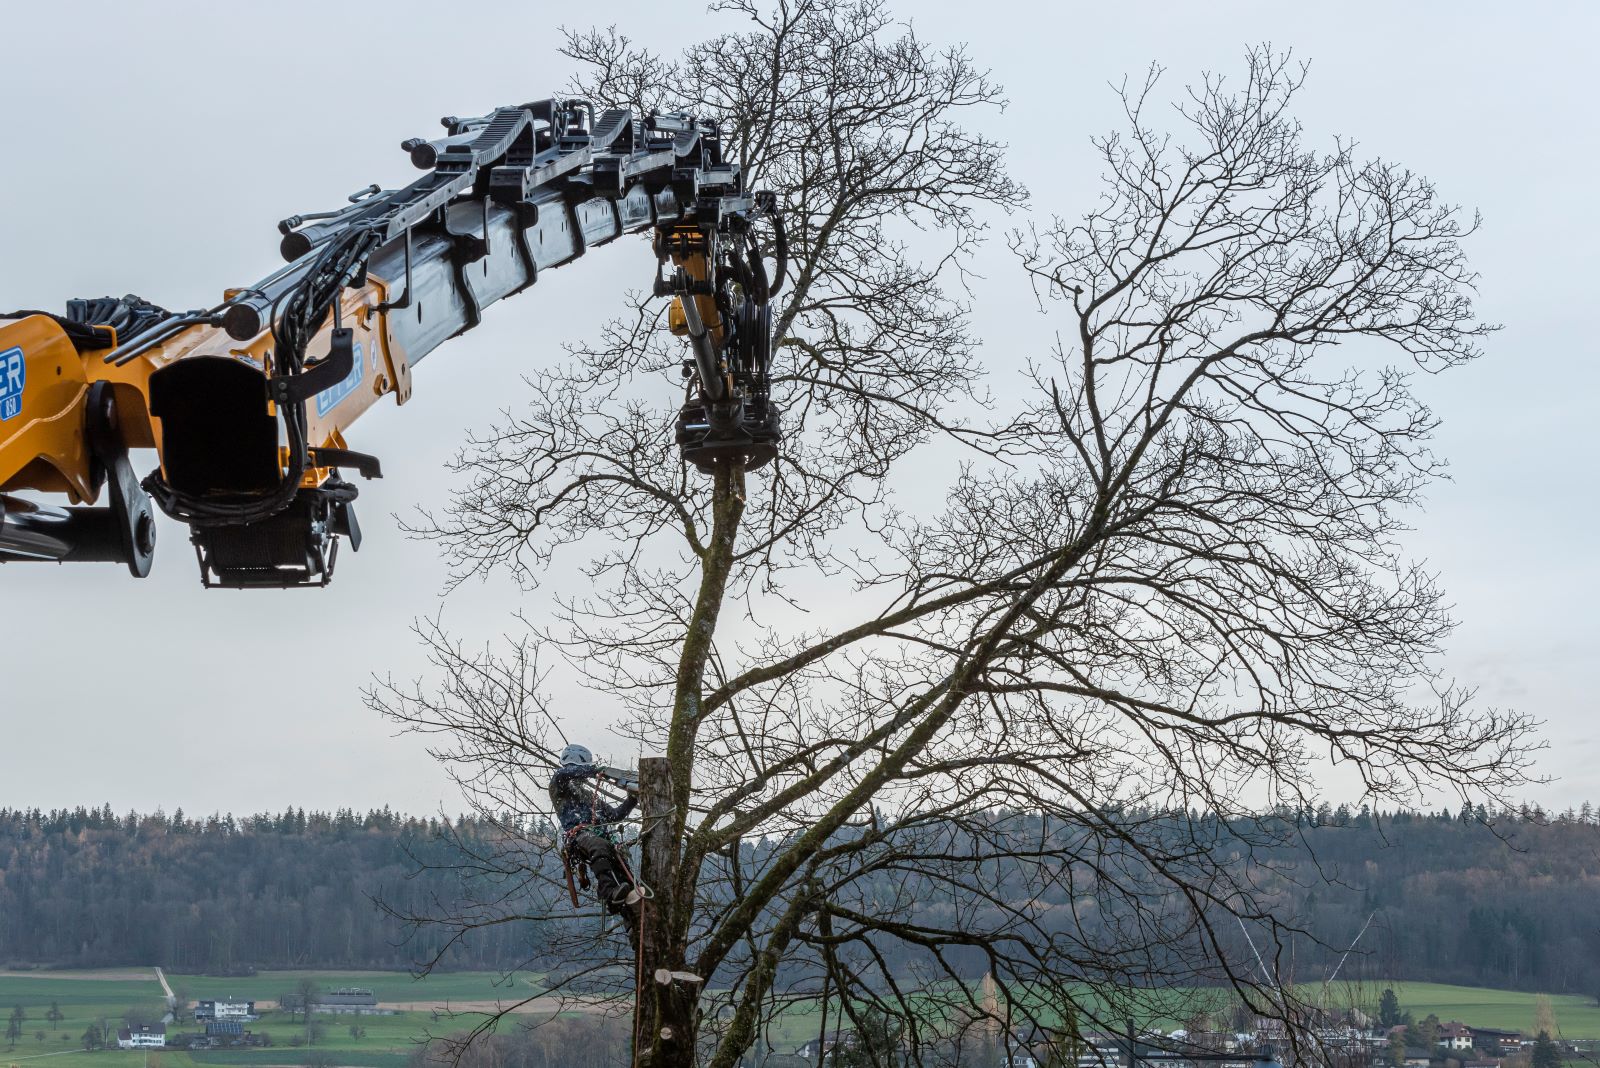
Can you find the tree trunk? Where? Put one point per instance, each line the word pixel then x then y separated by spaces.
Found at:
pixel 668 1017
pixel 664 1027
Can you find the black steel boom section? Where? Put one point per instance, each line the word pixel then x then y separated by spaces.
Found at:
pixel 506 195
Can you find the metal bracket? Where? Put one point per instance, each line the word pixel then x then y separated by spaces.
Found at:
pixel 324 374
pixel 131 513
pixel 365 463
pixel 405 298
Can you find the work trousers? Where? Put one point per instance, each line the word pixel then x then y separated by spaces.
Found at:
pixel 612 883
pixel 610 876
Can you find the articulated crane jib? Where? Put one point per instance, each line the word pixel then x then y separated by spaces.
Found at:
pixel 248 403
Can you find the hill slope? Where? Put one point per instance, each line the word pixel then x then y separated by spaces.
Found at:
pixel 1453 901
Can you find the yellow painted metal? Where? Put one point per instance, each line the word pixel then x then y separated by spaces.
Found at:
pixel 43 447
pixel 42 443
pixel 687 247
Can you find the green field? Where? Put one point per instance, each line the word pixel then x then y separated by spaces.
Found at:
pixel 1577 1017
pixel 448 987
pixel 82 1001
pixel 86 998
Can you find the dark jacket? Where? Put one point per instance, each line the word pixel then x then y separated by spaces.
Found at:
pixel 577 803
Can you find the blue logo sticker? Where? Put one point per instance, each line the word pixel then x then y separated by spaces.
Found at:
pixel 13 377
pixel 330 397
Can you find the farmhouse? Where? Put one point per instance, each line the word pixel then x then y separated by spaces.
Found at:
pixel 1493 1037
pixel 349 1001
pixel 145 1036
pixel 220 1034
pixel 1455 1035
pixel 225 1009
pixel 818 1046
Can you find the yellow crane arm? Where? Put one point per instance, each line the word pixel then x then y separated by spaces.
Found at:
pixel 248 404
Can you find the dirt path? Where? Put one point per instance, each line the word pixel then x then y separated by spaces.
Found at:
pixel 547 1006
pixel 172 999
pixel 121 975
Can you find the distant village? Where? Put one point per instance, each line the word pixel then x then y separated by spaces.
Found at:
pixel 1348 1040
pixel 223 1023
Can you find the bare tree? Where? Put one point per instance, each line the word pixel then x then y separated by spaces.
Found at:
pixel 1163 592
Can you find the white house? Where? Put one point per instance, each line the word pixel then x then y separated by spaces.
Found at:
pixel 1455 1036
pixel 153 1036
pixel 225 1009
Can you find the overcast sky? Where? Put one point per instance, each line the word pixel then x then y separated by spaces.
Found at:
pixel 150 148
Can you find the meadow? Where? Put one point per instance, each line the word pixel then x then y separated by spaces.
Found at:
pixel 1576 1016
pixel 102 997
pixel 446 988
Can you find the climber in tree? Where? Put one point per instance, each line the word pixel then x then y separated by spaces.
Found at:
pixel 588 829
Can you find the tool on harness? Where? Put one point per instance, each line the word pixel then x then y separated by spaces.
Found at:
pixel 583 877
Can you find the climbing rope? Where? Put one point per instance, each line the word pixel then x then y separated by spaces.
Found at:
pixel 640 928
pixel 638 975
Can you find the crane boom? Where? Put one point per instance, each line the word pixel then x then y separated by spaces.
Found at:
pixel 248 403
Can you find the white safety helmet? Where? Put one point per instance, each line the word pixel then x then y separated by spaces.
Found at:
pixel 576 756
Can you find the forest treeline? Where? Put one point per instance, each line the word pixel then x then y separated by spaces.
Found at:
pixel 87 887
pixel 1505 899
